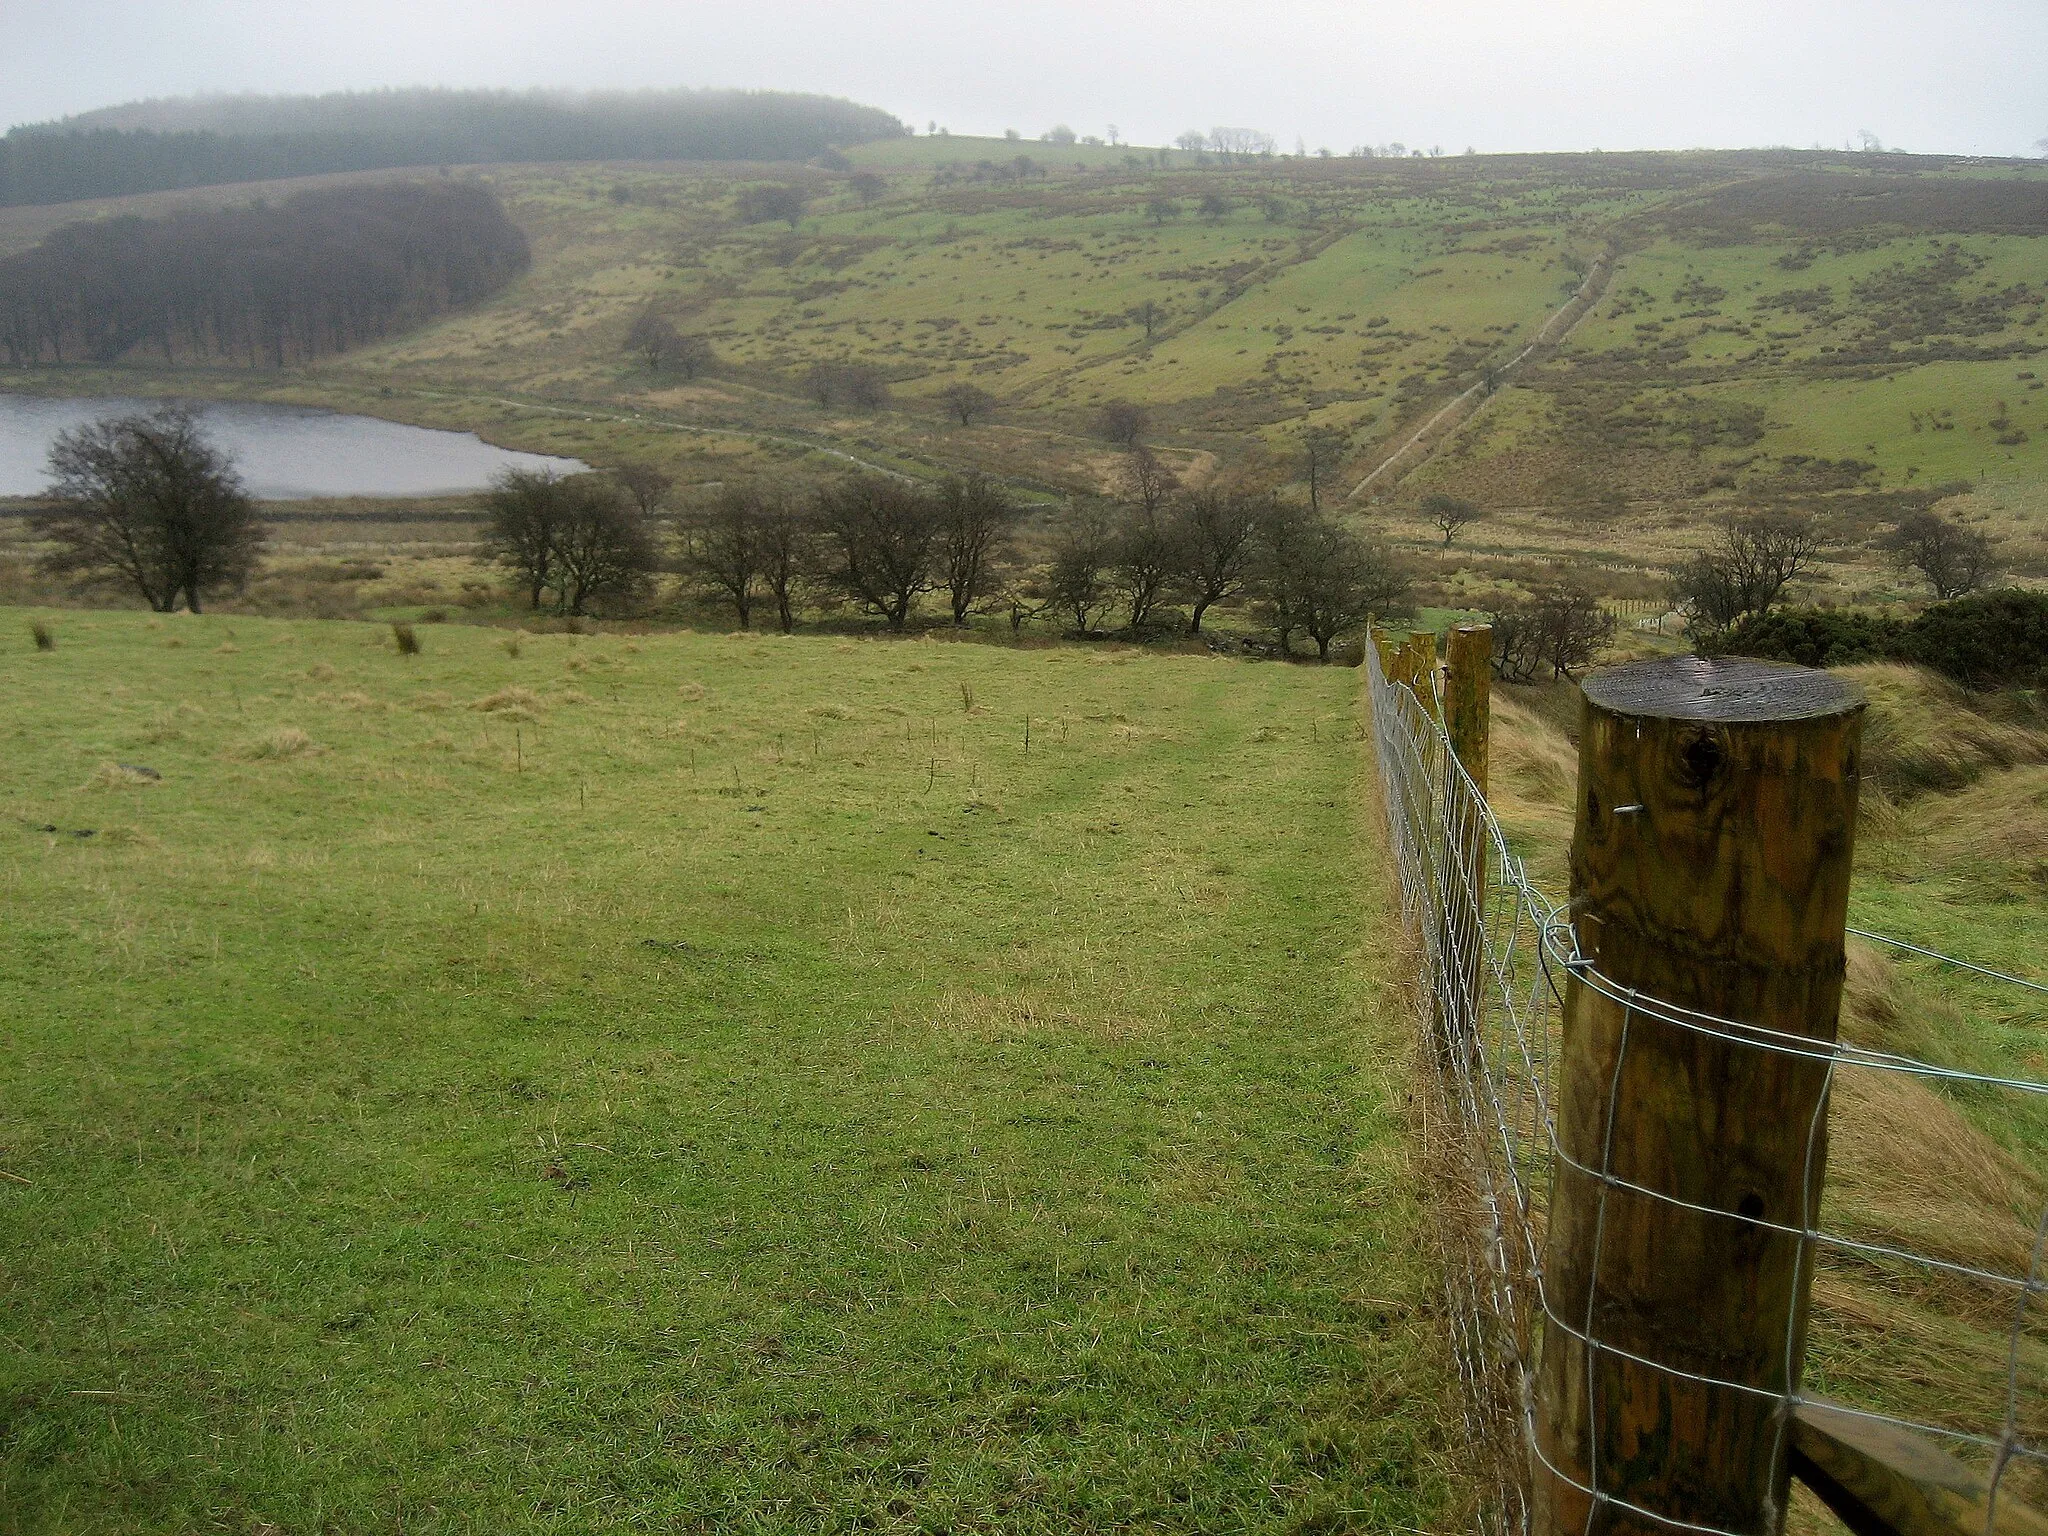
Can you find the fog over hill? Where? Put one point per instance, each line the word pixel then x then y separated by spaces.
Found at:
pixel 210 140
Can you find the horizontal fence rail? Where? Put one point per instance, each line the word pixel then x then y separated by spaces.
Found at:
pixel 1841 1406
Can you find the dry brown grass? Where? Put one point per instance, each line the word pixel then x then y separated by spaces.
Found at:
pixel 120 776
pixel 1924 733
pixel 513 701
pixel 279 745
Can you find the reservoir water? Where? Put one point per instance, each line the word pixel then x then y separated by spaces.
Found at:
pixel 285 452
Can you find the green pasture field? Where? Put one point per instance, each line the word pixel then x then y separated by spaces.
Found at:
pixel 714 1083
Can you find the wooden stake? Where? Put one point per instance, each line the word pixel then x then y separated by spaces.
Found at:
pixel 1390 652
pixel 1418 663
pixel 1709 870
pixel 1468 697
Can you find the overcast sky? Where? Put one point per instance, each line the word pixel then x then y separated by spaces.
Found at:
pixel 1950 75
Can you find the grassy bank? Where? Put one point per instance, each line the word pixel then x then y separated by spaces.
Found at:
pixel 720 1083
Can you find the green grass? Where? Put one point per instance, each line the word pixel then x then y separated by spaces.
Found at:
pixel 730 1086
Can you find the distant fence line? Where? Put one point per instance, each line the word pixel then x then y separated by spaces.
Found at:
pixel 1557 1244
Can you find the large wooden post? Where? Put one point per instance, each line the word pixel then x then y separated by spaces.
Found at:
pixel 1709 870
pixel 1468 697
pixel 1467 708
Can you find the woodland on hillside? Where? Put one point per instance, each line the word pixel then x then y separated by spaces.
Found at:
pixel 157 146
pixel 262 285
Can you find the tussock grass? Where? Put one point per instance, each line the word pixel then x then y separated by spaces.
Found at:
pixel 120 776
pixel 279 744
pixel 1923 733
pixel 45 638
pixel 406 638
pixel 510 700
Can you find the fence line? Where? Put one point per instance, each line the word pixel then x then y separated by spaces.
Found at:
pixel 1497 960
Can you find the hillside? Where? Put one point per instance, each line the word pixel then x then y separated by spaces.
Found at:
pixel 1855 335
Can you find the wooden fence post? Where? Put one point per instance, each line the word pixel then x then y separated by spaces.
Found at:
pixel 1468 697
pixel 1390 653
pixel 1418 660
pixel 1710 870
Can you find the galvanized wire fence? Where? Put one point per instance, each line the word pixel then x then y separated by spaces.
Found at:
pixel 1917 1323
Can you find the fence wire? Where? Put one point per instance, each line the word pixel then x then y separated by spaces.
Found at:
pixel 1950 1344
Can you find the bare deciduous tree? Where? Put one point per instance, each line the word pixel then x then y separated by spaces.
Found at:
pixel 522 511
pixel 867 186
pixel 1955 560
pixel 788 547
pixel 1241 143
pixel 762 205
pixel 1076 582
pixel 581 537
pixel 725 549
pixel 1215 536
pixel 1560 628
pixel 1121 422
pixel 648 486
pixel 1448 514
pixel 148 501
pixel 1322 449
pixel 1143 480
pixel 1143 560
pixel 1324 580
pixel 860 386
pixel 1746 570
pixel 603 547
pixel 976 519
pixel 661 346
pixel 1148 314
pixel 653 337
pixel 964 402
pixel 881 538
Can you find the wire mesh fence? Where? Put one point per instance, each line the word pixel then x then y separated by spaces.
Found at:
pixel 1924 1250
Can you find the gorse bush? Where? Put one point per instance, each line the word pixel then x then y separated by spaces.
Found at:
pixel 1987 640
pixel 1815 637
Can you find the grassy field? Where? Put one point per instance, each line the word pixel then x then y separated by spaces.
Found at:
pixel 719 1083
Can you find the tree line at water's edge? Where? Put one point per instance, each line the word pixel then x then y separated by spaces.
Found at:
pixel 147 504
pixel 218 141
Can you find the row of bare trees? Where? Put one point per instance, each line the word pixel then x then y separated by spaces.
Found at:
pixel 881 545
pixel 1754 558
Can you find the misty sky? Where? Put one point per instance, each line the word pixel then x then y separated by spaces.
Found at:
pixel 1950 75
